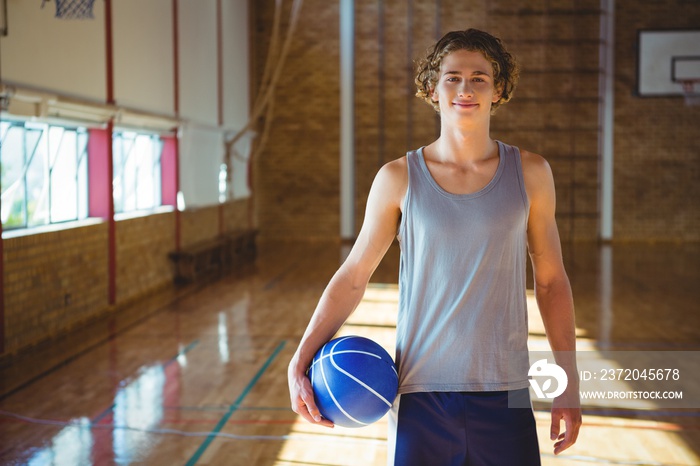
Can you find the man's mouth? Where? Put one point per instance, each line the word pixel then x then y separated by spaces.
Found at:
pixel 465 104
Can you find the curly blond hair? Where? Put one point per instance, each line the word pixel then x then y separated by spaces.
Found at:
pixel 505 68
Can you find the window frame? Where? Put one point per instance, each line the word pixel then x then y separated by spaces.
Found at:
pixel 155 169
pixel 48 166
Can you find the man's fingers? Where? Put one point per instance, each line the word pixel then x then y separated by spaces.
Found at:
pixel 302 399
pixel 563 444
pixel 554 428
pixel 311 408
pixel 568 438
pixel 300 407
pixel 316 415
pixel 307 409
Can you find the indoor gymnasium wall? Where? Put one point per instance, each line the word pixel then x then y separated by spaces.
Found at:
pixel 237 215
pixel 554 111
pixel 657 161
pixel 389 119
pixel 200 224
pixel 143 55
pixel 58 279
pixel 296 178
pixel 53 281
pixel 143 244
pixel 66 57
pixel 236 90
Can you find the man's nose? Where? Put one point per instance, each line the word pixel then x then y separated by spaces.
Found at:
pixel 465 88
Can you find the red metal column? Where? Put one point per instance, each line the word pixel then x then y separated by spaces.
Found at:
pixel 176 109
pixel 220 87
pixel 170 184
pixel 100 197
pixel 109 52
pixel 2 290
pixel 112 241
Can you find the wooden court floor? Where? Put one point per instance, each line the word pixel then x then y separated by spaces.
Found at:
pixel 198 376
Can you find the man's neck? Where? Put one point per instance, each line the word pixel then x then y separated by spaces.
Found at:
pixel 460 146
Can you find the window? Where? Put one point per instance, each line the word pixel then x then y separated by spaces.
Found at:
pixel 137 176
pixel 44 174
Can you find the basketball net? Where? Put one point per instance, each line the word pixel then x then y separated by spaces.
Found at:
pixel 692 97
pixel 73 9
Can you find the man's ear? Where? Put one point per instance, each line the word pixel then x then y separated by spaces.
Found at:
pixel 497 93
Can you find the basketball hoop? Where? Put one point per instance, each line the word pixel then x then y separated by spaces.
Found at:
pixel 691 96
pixel 73 9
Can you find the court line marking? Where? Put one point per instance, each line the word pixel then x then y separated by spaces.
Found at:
pixel 185 350
pixel 234 406
pixel 224 408
pixel 194 289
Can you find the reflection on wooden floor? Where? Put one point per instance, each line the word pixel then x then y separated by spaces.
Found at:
pixel 199 377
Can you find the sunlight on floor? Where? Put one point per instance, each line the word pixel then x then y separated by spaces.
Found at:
pixel 603 439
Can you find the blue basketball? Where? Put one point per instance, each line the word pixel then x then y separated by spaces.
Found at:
pixel 354 381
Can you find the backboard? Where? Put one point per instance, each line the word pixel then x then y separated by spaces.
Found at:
pixel 667 59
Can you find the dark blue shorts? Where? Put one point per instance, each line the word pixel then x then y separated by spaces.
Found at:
pixel 462 428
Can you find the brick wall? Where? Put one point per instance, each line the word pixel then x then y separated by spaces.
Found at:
pixel 657 161
pixel 143 244
pixel 555 108
pixel 199 224
pixel 389 119
pixel 554 112
pixel 236 215
pixel 296 178
pixel 53 281
pixel 57 280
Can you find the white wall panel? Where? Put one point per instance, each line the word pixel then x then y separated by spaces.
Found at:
pixel 143 55
pixel 201 155
pixel 237 86
pixel 69 57
pixel 239 187
pixel 236 60
pixel 64 56
pixel 197 62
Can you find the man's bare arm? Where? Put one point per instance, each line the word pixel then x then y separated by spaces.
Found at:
pixel 345 290
pixel 553 294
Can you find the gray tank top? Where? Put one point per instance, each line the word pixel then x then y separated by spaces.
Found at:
pixel 462 322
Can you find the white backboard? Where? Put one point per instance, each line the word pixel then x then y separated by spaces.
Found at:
pixel 665 59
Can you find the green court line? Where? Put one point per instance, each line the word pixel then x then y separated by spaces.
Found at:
pixel 234 406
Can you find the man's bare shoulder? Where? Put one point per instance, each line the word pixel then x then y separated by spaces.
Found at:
pixel 391 182
pixel 536 169
pixel 534 163
pixel 394 174
pixel 396 168
pixel 539 181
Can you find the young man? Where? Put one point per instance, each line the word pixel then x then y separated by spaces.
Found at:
pixel 466 210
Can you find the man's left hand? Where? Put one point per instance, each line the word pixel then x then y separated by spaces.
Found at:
pixel 565 408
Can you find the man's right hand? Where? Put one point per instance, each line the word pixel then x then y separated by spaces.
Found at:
pixel 302 396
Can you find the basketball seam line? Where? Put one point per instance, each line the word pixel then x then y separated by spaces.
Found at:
pixel 330 392
pixel 346 352
pixel 360 382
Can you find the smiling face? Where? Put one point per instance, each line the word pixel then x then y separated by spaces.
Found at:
pixel 465 87
pixel 503 69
